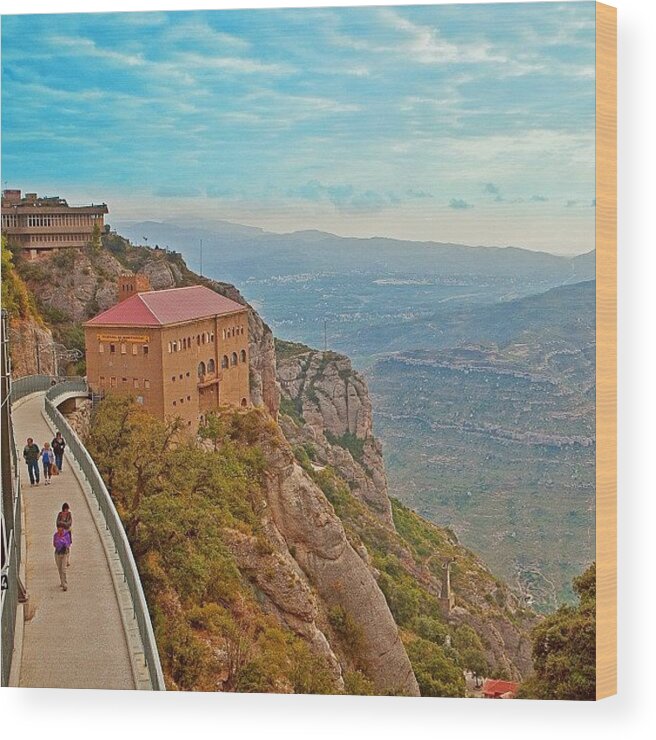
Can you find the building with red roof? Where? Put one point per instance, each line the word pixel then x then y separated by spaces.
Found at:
pixel 494 688
pixel 181 352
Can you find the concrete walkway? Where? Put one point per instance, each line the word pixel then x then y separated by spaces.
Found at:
pixel 72 639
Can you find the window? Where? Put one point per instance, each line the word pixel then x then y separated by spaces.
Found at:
pixel 170 347
pixel 112 382
pixel 201 369
pixel 198 339
pixel 181 376
pixel 124 380
pixel 124 348
pixel 172 378
pixel 112 349
pixel 187 373
pixel 243 355
pixel 135 382
pixel 146 383
pixel 212 337
pixel 135 349
pixel 204 338
pixel 224 333
pixel 224 362
pixel 233 359
pixel 175 403
pixel 101 348
pixel 244 402
pixel 182 400
pixel 211 365
pixel 145 349
pixel 188 398
pixel 102 381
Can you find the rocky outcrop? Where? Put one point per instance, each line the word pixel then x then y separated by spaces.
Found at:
pixel 31 348
pixel 284 588
pixel 299 516
pixel 329 409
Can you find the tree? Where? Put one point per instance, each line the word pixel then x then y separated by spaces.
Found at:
pixel 95 243
pixel 564 648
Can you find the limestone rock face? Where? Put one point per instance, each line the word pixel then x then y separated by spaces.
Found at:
pixel 31 347
pixel 300 515
pixel 333 414
pixel 285 587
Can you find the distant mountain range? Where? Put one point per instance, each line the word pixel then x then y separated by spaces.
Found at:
pixel 249 251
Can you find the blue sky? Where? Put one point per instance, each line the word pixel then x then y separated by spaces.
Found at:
pixel 462 123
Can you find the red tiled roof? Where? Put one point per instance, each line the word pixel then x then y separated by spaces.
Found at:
pixel 161 307
pixel 497 687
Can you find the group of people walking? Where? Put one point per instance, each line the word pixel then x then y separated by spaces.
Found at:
pixel 52 460
pixel 51 455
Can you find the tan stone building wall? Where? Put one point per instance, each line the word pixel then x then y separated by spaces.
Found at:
pixel 181 370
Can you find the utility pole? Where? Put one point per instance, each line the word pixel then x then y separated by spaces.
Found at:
pixel 201 258
pixel 38 353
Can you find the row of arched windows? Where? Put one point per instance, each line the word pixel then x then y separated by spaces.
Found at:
pixel 233 331
pixel 226 362
pixel 207 337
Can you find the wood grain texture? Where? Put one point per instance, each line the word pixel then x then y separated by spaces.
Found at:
pixel 606 244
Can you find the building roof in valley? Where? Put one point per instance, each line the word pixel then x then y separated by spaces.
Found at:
pixel 164 307
pixel 499 688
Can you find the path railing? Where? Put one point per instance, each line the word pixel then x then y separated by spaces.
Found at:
pixel 53 396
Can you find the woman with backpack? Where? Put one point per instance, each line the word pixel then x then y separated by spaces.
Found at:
pixel 61 541
pixel 65 522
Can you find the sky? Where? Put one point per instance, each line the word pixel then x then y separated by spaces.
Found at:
pixel 455 123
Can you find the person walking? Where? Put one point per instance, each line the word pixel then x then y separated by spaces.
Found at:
pixel 65 522
pixel 58 445
pixel 61 541
pixel 31 454
pixel 48 460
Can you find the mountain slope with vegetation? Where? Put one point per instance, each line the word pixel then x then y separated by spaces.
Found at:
pixel 273 562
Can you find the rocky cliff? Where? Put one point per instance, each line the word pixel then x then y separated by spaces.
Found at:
pixel 326 405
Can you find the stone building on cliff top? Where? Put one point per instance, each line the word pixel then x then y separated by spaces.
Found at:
pixel 181 352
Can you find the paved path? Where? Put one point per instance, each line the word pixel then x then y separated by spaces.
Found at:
pixel 72 639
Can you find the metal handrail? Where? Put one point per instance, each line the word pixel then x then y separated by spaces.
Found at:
pixel 112 522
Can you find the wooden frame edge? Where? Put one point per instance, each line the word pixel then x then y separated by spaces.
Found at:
pixel 606 352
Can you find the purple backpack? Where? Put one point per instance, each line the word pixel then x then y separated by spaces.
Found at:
pixel 61 542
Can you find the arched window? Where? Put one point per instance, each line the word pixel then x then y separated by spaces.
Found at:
pixel 244 402
pixel 224 361
pixel 242 355
pixel 198 339
pixel 211 365
pixel 233 359
pixel 201 369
